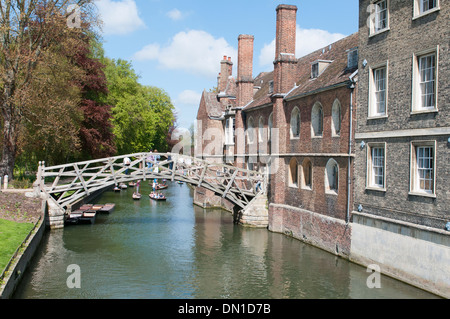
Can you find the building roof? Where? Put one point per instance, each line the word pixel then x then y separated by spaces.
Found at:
pixel 213 107
pixel 335 73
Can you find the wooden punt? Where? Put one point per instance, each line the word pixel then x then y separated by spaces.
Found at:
pixel 88 217
pixel 157 197
pixel 107 208
pixel 136 196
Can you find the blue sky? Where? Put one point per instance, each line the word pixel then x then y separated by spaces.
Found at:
pixel 177 45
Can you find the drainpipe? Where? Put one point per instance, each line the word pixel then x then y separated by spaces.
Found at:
pixel 350 145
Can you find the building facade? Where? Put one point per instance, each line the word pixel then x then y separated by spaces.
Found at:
pixel 355 138
pixel 402 163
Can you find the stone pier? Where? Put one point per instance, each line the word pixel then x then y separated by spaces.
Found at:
pixel 256 214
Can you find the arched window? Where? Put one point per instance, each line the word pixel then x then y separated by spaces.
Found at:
pixel 336 118
pixel 307 174
pixel 250 131
pixel 270 126
pixel 261 130
pixel 317 120
pixel 295 123
pixel 332 177
pixel 293 173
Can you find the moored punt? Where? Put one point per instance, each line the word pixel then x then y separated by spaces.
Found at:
pixel 88 217
pixel 107 208
pixel 161 186
pixel 74 217
pixel 85 207
pixel 131 184
pixel 97 207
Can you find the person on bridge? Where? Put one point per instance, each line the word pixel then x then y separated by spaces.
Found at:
pixel 127 163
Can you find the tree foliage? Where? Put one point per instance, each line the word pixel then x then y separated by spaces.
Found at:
pixel 28 30
pixel 142 115
pixel 61 100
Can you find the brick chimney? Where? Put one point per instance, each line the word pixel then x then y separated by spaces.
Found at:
pixel 226 67
pixel 285 61
pixel 245 69
pixel 283 81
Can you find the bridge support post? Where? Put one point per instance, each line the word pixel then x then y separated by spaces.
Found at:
pixel 256 214
pixel 55 218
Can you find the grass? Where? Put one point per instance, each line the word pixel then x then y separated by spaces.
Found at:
pixel 12 234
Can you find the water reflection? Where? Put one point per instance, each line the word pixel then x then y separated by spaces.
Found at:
pixel 172 249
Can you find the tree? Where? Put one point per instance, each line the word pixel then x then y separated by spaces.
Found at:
pixel 142 115
pixel 28 28
pixel 96 134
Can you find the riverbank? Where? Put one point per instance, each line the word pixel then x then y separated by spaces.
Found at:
pixel 21 218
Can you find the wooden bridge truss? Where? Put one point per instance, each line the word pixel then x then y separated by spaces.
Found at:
pixel 69 183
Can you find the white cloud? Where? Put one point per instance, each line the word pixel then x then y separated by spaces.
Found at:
pixel 119 17
pixel 189 97
pixel 175 14
pixel 307 41
pixel 195 51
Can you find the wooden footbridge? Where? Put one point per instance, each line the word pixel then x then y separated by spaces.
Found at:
pixel 69 183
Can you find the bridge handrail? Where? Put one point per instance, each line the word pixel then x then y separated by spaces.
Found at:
pixel 237 184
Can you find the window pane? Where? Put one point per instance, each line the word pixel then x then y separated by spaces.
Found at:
pixel 380 90
pixel 425 169
pixel 377 167
pixel 381 15
pixel 426 5
pixel 427 68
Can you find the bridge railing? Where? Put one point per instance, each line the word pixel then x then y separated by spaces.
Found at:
pixel 69 183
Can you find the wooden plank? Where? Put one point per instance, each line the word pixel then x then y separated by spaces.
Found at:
pixel 205 168
pixel 230 183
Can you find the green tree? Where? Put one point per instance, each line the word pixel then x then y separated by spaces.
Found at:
pixel 28 28
pixel 141 115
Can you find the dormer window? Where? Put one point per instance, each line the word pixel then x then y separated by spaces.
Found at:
pixel 317 67
pixel 270 87
pixel 315 70
pixel 352 58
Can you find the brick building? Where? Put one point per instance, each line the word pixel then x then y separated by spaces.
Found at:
pixel 293 123
pixel 354 137
pixel 402 163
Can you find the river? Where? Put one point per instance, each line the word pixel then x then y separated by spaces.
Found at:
pixel 175 250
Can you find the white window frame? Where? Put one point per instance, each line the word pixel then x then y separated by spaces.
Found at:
pixel 229 131
pixel 418 5
pixel 414 188
pixel 316 121
pixel 251 134
pixel 261 135
pixel 370 176
pixel 374 18
pixel 330 164
pixel 303 178
pixel 292 183
pixel 269 127
pixel 373 84
pixel 336 119
pixel 293 134
pixel 417 106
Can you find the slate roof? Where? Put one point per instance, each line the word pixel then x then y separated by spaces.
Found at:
pixel 336 72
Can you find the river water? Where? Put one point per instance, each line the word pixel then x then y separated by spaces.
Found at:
pixel 175 250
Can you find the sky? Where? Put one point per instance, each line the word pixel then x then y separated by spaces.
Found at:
pixel 177 45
